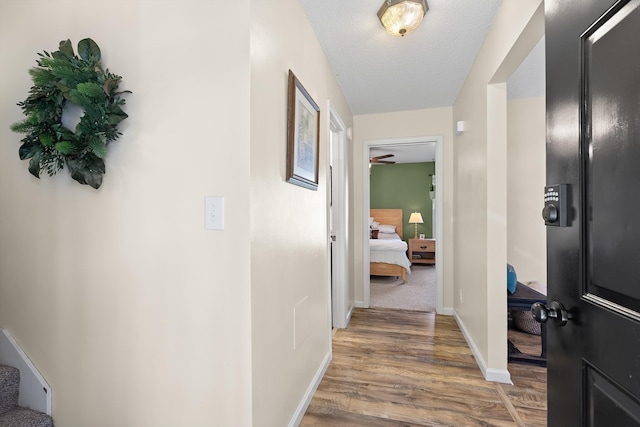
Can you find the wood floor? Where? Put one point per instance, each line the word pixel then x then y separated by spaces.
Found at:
pixel 407 368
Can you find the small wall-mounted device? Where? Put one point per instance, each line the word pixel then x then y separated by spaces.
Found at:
pixel 555 211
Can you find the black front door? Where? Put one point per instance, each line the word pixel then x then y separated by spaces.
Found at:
pixel 593 146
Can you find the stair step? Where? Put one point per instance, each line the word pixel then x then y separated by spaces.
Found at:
pixel 22 417
pixel 9 388
pixel 12 415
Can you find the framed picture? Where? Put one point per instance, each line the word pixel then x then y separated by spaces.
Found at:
pixel 303 136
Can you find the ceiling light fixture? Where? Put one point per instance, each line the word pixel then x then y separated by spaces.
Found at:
pixel 401 17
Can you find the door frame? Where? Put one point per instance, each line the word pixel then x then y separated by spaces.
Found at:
pixel 495 368
pixel 340 307
pixel 367 145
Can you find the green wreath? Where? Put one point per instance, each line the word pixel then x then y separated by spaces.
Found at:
pixel 61 77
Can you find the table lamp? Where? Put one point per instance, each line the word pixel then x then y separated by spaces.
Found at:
pixel 415 219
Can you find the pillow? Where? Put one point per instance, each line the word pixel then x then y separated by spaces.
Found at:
pixel 374 234
pixel 375 224
pixel 386 228
pixel 370 221
pixel 388 236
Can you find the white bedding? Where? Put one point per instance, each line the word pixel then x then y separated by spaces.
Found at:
pixel 388 248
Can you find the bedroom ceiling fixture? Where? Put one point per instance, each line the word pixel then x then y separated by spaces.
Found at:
pixel 415 219
pixel 401 17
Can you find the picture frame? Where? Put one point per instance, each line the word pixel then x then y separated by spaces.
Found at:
pixel 303 136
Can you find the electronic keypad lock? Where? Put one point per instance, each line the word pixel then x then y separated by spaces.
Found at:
pixel 555 210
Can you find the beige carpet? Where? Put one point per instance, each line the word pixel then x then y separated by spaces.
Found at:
pixel 419 293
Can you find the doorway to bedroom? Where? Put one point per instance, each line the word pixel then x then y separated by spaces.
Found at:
pixel 402 198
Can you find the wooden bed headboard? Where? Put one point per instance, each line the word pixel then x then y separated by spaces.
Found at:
pixel 388 216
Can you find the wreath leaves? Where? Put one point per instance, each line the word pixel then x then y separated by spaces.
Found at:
pixel 61 77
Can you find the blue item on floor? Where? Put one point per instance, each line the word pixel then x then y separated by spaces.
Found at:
pixel 512 279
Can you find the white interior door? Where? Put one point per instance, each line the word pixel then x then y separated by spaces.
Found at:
pixel 340 301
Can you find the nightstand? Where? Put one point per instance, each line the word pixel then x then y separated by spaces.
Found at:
pixel 422 251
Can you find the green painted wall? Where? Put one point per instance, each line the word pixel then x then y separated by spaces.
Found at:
pixel 404 186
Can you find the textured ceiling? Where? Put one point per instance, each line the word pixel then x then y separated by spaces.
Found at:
pixel 381 73
pixel 527 81
pixel 407 153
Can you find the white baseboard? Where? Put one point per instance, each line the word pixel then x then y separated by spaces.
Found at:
pixel 446 311
pixel 490 374
pixel 498 376
pixel 35 393
pixel 353 306
pixel 306 399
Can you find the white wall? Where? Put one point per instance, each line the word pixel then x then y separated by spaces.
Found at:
pixel 526 234
pixel 289 235
pixel 134 313
pixel 402 124
pixel 480 168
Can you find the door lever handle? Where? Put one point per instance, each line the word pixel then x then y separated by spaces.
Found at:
pixel 555 310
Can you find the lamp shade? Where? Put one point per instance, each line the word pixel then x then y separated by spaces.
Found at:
pixel 416 218
pixel 401 17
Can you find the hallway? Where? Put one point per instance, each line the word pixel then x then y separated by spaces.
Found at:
pixel 406 368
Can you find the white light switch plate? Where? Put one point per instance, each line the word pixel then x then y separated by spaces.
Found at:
pixel 214 213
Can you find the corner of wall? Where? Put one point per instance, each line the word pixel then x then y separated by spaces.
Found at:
pixel 490 374
pixel 479 212
pixel 296 419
